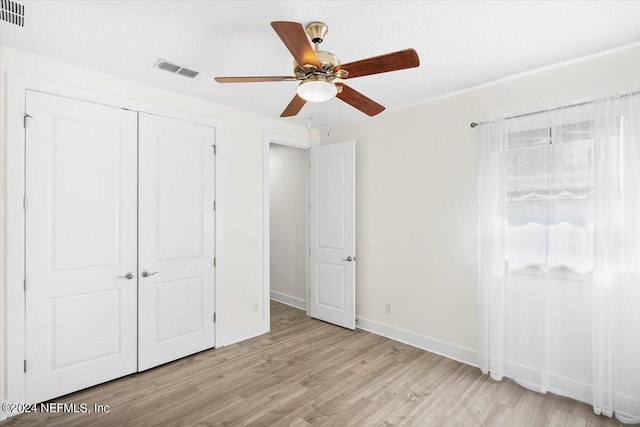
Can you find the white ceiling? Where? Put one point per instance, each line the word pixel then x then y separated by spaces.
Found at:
pixel 460 43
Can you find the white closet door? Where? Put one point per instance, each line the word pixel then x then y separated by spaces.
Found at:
pixel 333 234
pixel 80 241
pixel 176 239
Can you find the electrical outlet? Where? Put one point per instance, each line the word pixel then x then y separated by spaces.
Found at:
pixel 255 306
pixel 388 308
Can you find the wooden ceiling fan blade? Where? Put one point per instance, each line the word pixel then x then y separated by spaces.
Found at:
pixel 294 107
pixel 395 61
pixel 255 79
pixel 295 39
pixel 359 101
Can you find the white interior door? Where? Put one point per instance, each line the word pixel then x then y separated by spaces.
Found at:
pixel 176 239
pixel 80 241
pixel 333 234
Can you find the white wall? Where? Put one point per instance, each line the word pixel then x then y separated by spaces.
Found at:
pixel 243 179
pixel 288 168
pixel 416 195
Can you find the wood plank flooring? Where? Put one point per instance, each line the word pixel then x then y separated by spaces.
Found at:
pixel 309 372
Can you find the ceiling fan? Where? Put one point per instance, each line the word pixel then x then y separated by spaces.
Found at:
pixel 320 73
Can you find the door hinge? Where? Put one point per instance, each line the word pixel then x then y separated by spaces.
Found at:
pixel 214 149
pixel 25 365
pixel 214 205
pixel 214 261
pixel 24 284
pixel 24 119
pixel 24 202
pixel 214 318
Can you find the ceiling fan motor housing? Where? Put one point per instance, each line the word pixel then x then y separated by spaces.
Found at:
pixel 327 60
pixel 316 31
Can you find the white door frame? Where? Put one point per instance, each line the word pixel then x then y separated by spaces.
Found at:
pixel 17 85
pixel 276 138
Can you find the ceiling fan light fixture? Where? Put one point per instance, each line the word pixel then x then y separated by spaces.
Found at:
pixel 317 91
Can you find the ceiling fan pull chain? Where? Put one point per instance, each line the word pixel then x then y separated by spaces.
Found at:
pixel 328 119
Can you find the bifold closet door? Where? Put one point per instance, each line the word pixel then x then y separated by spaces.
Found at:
pixel 80 213
pixel 176 239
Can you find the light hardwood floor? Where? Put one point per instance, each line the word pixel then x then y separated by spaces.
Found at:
pixel 309 372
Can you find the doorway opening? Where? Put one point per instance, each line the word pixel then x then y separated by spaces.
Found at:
pixel 286 243
pixel 288 172
pixel 329 228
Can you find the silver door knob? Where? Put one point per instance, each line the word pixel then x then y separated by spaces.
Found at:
pixel 348 259
pixel 127 276
pixel 147 274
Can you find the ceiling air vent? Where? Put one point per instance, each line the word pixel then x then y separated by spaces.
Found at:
pixel 12 12
pixel 167 66
pixel 173 68
pixel 188 73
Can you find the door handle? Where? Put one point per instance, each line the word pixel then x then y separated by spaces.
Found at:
pixel 127 276
pixel 147 274
pixel 349 258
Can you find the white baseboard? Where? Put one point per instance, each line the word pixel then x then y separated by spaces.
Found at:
pixel 578 390
pixel 461 354
pixel 625 405
pixel 470 357
pixel 5 415
pixel 245 333
pixel 289 300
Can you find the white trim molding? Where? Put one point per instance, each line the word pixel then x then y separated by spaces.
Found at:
pixel 278 138
pixel 289 300
pixel 219 253
pixel 15 225
pixel 245 333
pixel 451 351
pixel 3 414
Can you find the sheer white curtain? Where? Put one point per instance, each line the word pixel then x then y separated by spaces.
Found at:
pixel 559 253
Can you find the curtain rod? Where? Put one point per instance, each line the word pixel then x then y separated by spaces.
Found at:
pixel 577 104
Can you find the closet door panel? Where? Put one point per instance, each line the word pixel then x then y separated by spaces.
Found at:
pixel 81 213
pixel 176 239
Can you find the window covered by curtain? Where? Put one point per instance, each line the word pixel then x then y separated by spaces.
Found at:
pixel 559 253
